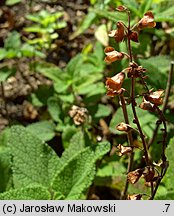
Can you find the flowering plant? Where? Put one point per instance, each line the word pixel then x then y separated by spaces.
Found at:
pixel 151 100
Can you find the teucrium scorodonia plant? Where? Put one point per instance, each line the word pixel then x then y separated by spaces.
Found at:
pixel 151 100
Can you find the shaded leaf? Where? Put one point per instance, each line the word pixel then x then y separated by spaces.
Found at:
pixel 27 193
pixel 44 130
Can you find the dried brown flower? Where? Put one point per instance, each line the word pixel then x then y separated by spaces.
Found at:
pixel 121 8
pixel 155 97
pixel 112 55
pixel 119 33
pixel 146 105
pixel 114 84
pixel 123 150
pixel 123 127
pixel 134 36
pixel 134 176
pixel 134 197
pixel 149 174
pixel 79 114
pixel 147 21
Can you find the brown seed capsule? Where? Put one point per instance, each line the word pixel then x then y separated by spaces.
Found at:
pixel 146 105
pixel 155 97
pixel 123 150
pixel 149 174
pixel 147 21
pixel 112 55
pixel 79 114
pixel 119 33
pixel 121 8
pixel 134 197
pixel 123 127
pixel 134 176
pixel 114 84
pixel 134 36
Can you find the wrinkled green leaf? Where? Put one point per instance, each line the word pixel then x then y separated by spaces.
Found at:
pixel 27 193
pixel 77 175
pixel 44 130
pixel 30 158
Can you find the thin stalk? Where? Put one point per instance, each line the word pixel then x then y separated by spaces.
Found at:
pixel 4 99
pixel 133 104
pixel 138 123
pixel 168 88
pixel 130 141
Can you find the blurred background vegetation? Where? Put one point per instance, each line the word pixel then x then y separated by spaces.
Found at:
pixel 52 77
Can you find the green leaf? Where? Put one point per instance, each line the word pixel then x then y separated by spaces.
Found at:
pixel 9 42
pixel 74 64
pixel 5 169
pixel 75 145
pixel 113 16
pixel 157 66
pixel 62 85
pixel 147 120
pixel 77 175
pixel 169 177
pixel 67 134
pixel 3 53
pixel 47 69
pixel 169 195
pixel 133 6
pixel 145 6
pixel 87 21
pixel 12 2
pixel 30 51
pixel 44 130
pixel 6 72
pixel 27 193
pixel 30 158
pixel 54 108
pixel 102 111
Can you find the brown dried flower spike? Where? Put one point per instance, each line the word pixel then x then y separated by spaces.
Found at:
pixel 112 55
pixel 147 21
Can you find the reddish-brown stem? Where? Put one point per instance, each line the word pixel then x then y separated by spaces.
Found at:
pixel 130 141
pixel 167 92
pixel 133 103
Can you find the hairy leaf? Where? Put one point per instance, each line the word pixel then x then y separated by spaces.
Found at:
pixel 44 130
pixel 77 175
pixel 30 158
pixel 27 193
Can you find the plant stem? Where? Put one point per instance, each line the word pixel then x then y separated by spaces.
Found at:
pixel 4 99
pixel 133 103
pixel 168 88
pixel 130 141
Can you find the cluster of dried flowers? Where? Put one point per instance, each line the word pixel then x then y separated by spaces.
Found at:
pixel 150 99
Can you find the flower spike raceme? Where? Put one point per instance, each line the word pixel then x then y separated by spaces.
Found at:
pixel 151 100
